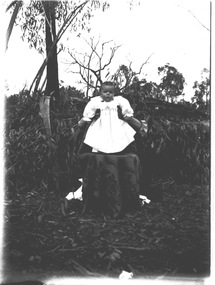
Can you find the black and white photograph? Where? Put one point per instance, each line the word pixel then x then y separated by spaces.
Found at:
pixel 106 142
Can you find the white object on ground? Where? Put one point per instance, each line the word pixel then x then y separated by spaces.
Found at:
pixel 144 199
pixel 77 194
pixel 126 275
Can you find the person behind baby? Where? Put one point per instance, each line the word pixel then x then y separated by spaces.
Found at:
pixel 109 133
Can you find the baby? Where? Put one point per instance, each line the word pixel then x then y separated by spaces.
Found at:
pixel 109 133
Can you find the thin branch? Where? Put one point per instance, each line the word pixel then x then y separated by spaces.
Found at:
pixel 46 18
pixel 91 45
pixel 83 66
pixel 131 248
pixel 76 60
pixel 144 64
pixel 12 20
pixel 73 249
pixel 111 57
pixel 198 20
pixel 79 53
pixel 130 63
pixel 43 84
pixel 54 249
pixel 87 59
pixel 194 17
pixel 103 47
pixel 11 5
pixel 82 75
pixel 62 30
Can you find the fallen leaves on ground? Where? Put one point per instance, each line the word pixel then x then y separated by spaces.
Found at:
pixel 170 237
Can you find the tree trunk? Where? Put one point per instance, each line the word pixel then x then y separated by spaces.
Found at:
pixel 45 113
pixel 52 85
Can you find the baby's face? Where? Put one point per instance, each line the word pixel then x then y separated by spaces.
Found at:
pixel 107 93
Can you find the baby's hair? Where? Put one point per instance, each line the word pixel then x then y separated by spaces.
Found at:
pixel 107 83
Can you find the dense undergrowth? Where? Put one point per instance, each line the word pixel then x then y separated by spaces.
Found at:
pixel 45 235
pixel 176 146
pixel 168 238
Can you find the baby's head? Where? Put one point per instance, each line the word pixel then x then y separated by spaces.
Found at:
pixel 107 91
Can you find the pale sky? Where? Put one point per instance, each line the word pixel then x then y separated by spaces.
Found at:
pixel 166 29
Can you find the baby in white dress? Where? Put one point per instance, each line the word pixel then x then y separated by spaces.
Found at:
pixel 109 133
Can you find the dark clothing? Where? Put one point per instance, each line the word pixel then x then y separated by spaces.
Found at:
pixel 111 182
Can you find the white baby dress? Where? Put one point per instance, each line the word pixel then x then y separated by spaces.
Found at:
pixel 108 133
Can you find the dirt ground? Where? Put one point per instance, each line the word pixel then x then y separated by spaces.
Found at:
pixel 46 237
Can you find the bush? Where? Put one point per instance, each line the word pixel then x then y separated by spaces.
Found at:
pixel 176 146
pixel 177 143
pixel 178 150
pixel 32 160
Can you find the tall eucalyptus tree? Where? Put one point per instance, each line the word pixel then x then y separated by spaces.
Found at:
pixel 39 21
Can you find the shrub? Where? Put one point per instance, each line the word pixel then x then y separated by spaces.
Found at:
pixel 179 150
pixel 32 159
pixel 176 145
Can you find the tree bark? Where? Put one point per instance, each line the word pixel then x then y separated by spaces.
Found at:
pixel 52 85
pixel 45 113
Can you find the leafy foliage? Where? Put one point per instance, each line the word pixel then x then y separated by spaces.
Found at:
pixel 172 83
pixel 30 156
pixel 201 97
pixel 38 22
pixel 179 150
pixel 31 18
pixel 124 76
pixel 26 142
pixel 175 147
pixel 178 140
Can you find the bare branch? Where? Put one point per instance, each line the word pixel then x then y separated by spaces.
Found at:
pixel 111 57
pixel 194 17
pixel 130 63
pixel 93 49
pixel 141 67
pixel 128 75
pixel 85 67
pixel 86 80
pixel 80 63
pixel 198 20
pixel 94 58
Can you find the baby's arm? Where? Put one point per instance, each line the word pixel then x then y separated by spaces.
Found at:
pixel 88 114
